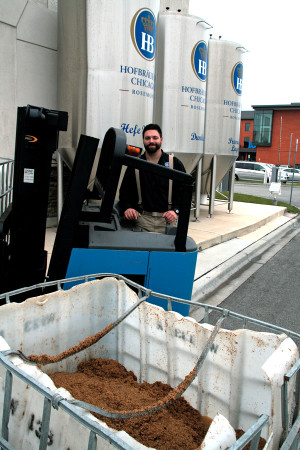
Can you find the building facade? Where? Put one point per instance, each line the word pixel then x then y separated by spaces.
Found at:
pixel 28 72
pixel 269 134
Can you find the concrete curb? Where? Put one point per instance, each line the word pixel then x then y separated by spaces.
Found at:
pixel 220 238
pixel 222 273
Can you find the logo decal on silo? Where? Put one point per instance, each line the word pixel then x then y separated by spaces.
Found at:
pixel 199 60
pixel 143 33
pixel 237 78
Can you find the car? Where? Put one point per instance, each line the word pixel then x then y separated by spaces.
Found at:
pixel 252 171
pixel 282 176
pixel 290 172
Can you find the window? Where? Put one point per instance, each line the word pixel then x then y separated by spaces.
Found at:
pixel 247 126
pixel 259 167
pixel 262 131
pixel 246 142
pixel 249 166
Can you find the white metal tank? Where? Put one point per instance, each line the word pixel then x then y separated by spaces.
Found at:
pixel 181 70
pixel 223 108
pixel 106 70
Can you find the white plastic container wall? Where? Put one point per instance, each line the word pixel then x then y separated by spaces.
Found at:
pixel 223 108
pixel 241 377
pixel 106 68
pixel 181 70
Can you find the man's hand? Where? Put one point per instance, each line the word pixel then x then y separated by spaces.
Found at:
pixel 131 214
pixel 170 216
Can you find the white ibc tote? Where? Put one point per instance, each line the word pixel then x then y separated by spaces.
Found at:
pixel 241 377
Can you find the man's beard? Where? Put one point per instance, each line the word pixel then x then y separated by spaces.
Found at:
pixel 153 149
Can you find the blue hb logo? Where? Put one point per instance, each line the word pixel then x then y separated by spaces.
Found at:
pixel 237 78
pixel 199 60
pixel 143 33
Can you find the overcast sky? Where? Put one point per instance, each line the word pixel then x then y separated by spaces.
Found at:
pixel 270 31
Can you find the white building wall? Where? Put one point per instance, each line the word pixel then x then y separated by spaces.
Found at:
pixel 28 69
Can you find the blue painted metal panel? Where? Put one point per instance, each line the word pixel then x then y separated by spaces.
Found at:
pixel 172 274
pixel 88 261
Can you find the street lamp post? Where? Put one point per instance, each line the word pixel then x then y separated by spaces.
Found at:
pixel 279 141
pixel 293 172
pixel 290 148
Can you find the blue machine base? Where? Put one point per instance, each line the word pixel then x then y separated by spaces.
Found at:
pixel 170 273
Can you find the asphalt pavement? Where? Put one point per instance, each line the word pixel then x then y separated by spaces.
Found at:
pixel 266 289
pixel 272 293
pixel 289 194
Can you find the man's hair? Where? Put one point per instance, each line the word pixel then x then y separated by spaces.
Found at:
pixel 152 126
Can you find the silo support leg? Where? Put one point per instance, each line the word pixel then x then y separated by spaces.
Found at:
pixel 198 188
pixel 213 168
pixel 231 188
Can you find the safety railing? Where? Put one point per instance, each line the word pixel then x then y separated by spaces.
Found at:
pixel 291 426
pixel 6 183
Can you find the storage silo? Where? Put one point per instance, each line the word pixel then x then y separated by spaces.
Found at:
pixel 181 70
pixel 223 111
pixel 106 73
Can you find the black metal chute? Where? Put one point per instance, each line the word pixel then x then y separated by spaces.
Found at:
pixel 36 140
pixel 73 228
pixel 75 196
pixel 109 170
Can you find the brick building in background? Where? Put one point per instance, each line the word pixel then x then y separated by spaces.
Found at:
pixel 268 134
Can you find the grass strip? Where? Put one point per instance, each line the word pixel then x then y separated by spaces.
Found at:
pixel 245 198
